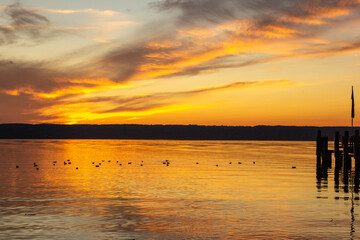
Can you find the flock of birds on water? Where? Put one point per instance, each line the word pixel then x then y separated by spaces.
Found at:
pixel 68 162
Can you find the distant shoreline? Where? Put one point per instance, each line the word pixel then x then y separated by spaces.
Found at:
pixel 165 132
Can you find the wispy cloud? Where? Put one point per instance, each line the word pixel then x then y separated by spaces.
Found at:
pixel 203 34
pixel 140 105
pixel 87 10
pixel 22 23
pixel 33 24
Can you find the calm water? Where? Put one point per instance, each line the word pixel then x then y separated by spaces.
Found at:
pixel 185 200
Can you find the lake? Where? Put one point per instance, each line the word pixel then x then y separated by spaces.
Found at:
pixel 205 190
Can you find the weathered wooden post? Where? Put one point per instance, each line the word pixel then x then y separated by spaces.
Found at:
pixel 318 151
pixel 329 159
pixel 337 152
pixel 336 181
pixel 325 153
pixel 346 152
pixel 356 146
pixel 347 159
pixel 346 181
pixel 356 182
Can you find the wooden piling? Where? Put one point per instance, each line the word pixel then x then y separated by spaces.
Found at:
pixel 356 146
pixel 318 150
pixel 325 153
pixel 346 157
pixel 329 159
pixel 346 162
pixel 336 181
pixel 337 153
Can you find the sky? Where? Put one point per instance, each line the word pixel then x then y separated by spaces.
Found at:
pixel 205 62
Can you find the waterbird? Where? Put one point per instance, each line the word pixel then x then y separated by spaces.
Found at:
pixel 103 160
pixel 97 166
pixel 77 168
pixel 239 162
pixel 54 161
pixel 293 166
pixel 68 160
pixel 253 162
pixel 229 162
pixel 129 162
pixel 65 163
pixel 99 163
pixel 117 161
pixel 53 164
pixel 217 165
pixel 141 165
pixel 109 161
pixel 17 166
pixel 120 164
pixel 93 162
pixel 37 168
pixel 197 163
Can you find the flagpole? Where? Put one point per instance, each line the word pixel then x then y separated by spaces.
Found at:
pixel 352 108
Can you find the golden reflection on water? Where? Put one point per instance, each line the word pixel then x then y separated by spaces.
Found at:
pixel 263 197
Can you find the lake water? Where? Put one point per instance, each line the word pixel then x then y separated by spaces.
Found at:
pixel 263 197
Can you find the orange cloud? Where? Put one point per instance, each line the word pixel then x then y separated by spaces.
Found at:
pixel 72 111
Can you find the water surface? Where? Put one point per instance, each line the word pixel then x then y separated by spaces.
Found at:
pixel 264 197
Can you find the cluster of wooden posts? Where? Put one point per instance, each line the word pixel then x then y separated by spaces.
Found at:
pixel 345 149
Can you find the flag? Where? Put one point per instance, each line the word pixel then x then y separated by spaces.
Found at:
pixel 352 103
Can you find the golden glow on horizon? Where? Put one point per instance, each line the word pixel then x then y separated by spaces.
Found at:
pixel 74 113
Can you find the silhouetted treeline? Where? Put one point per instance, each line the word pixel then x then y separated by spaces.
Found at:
pixel 179 132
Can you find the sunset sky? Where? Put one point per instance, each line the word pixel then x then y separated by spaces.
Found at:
pixel 208 62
